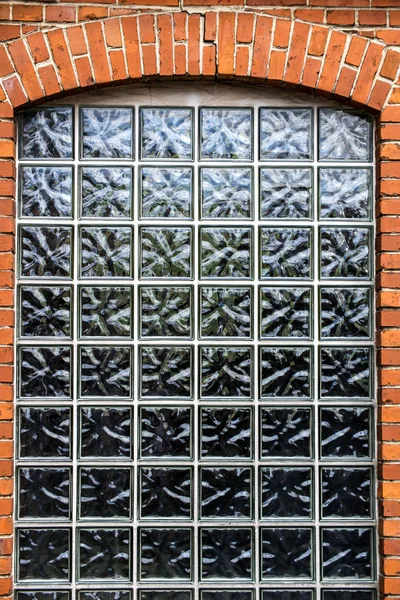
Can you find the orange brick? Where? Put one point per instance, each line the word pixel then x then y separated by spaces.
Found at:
pixel 146 27
pixel 91 13
pixel 38 47
pixel 372 17
pixel 9 32
pixel 180 22
pixel 209 61
pixel 49 80
pixel 394 18
pixel 282 33
pixel 345 82
pixel 367 73
pixel 6 528
pixel 17 96
pixel 76 40
pixel 390 65
pixel 317 45
pixel 194 45
pixel 311 15
pixel 113 33
pixel 6 509
pixel 311 72
pixel 180 59
pixel 62 14
pixel 331 66
pixel 262 43
pixel 149 59
pixel 242 61
pixel 84 70
pixel 356 51
pixel 6 546
pixel 340 17
pixel 277 63
pixel 379 94
pixel 6 433
pixel 5 583
pixel 130 33
pixel 27 12
pixel 62 59
pixel 389 433
pixel 98 52
pixel 117 61
pixel 390 151
pixel 210 26
pixel 245 26
pixel 26 70
pixel 164 23
pixel 226 43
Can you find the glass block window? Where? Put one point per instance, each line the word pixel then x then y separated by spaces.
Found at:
pixel 195 355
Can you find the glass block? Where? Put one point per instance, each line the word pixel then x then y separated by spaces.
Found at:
pixel 285 252
pixel 45 372
pixel 165 432
pixel 345 312
pixel 45 251
pixel 285 372
pixel 286 134
pixel 286 493
pixel 106 251
pixel 44 432
pixel 227 595
pixel 347 553
pixel 44 493
pixel 45 311
pixel 226 372
pixel 166 192
pixel 166 493
pixel 226 553
pixel 344 135
pixel 105 371
pixel 46 192
pixel 226 312
pixel 345 432
pixel 47 133
pixel 105 595
pixel 226 133
pixel 44 554
pixel 348 594
pixel 104 554
pixel 346 493
pixel 50 595
pixel 226 433
pixel 166 311
pixel 226 252
pixel 345 193
pixel 286 433
pixel 165 554
pixel 345 372
pixel 226 193
pixel 166 133
pixel 165 595
pixel 285 193
pixel 106 192
pixel 105 432
pixel 166 371
pixel 166 252
pixel 105 311
pixel 107 132
pixel 226 493
pixel 105 493
pixel 287 595
pixel 287 553
pixel 285 312
pixel 345 253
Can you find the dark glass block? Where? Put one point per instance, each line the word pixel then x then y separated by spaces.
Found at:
pixel 345 372
pixel 226 193
pixel 165 554
pixel 105 432
pixel 287 553
pixel 45 372
pixel 285 372
pixel 166 252
pixel 166 371
pixel 226 312
pixel 165 595
pixel 226 433
pixel 166 192
pixel 285 193
pixel 345 312
pixel 46 192
pixel 107 132
pixel 47 133
pixel 226 372
pixel 344 135
pixel 286 493
pixel 166 133
pixel 45 311
pixel 44 554
pixel 227 595
pixel 226 493
pixel 106 252
pixel 345 193
pixel 166 493
pixel 105 595
pixel 44 432
pixel 287 595
pixel 104 554
pixel 285 312
pixel 106 311
pixel 285 252
pixel 45 251
pixel 44 493
pixel 345 432
pixel 346 493
pixel 345 253
pixel 105 493
pixel 166 432
pixel 226 133
pixel 348 594
pixel 226 553
pixel 285 133
pixel 105 371
pixel 286 433
pixel 106 192
pixel 166 311
pixel 347 553
pixel 226 252
pixel 50 595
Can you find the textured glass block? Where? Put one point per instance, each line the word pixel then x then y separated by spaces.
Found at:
pixel 287 595
pixel 105 493
pixel 345 432
pixel 166 311
pixel 346 493
pixel 345 372
pixel 50 595
pixel 166 432
pixel 45 251
pixel 105 371
pixel 344 135
pixel 106 192
pixel 285 252
pixel 45 311
pixel 348 594
pixel 285 312
pixel 226 372
pixel 166 192
pixel 287 553
pixel 165 595
pixel 166 493
pixel 226 312
pixel 165 554
pixel 104 554
pixel 286 493
pixel 44 432
pixel 105 595
pixel 226 553
pixel 226 493
pixel 107 132
pixel 44 554
pixel 346 553
pixel 47 133
pixel 226 133
pixel 45 372
pixel 46 192
pixel 285 193
pixel 166 133
pixel 166 371
pixel 226 193
pixel 227 595
pixel 285 372
pixel 106 252
pixel 345 253
pixel 286 433
pixel 166 252
pixel 345 312
pixel 345 193
pixel 44 493
pixel 105 432
pixel 226 433
pixel 285 133
pixel 226 252
pixel 106 311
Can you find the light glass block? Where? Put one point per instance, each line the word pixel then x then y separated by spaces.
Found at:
pixel 226 312
pixel 43 555
pixel 346 433
pixel 345 372
pixel 47 133
pixel 285 312
pixel 345 193
pixel 345 253
pixel 226 134
pixel 346 493
pixel 226 193
pixel 106 252
pixel 285 372
pixel 165 311
pixel 106 192
pixel 226 372
pixel 347 553
pixel 226 433
pixel 345 312
pixel 344 135
pixel 226 252
pixel 166 193
pixel 166 133
pixel 166 372
pixel 286 433
pixel 45 192
pixel 45 251
pixel 107 132
pixel 105 311
pixel 105 371
pixel 45 372
pixel 45 311
pixel 285 193
pixel 285 252
pixel 286 134
pixel 165 554
pixel 166 252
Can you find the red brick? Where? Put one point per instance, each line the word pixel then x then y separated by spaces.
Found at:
pixel 164 23
pixel 394 18
pixel 340 17
pixel 26 69
pixel 245 26
pixel 9 32
pixel 27 12
pixel 62 59
pixel 98 53
pixel 62 14
pixel 262 43
pixel 372 17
